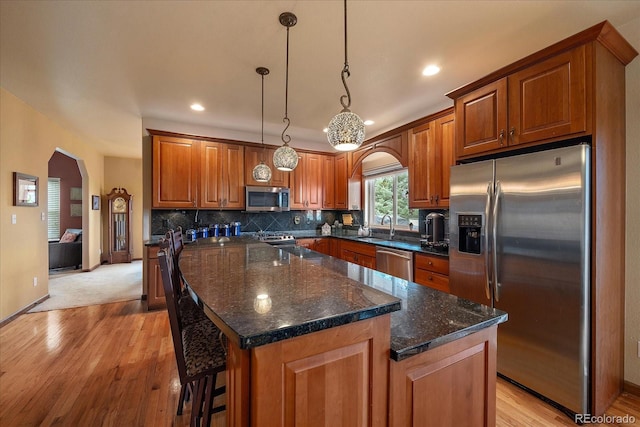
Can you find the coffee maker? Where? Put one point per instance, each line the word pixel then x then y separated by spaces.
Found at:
pixel 435 227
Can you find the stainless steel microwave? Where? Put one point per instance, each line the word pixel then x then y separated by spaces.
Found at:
pixel 267 199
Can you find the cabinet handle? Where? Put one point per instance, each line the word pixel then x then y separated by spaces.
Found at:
pixel 512 133
pixel 501 136
pixel 437 198
pixel 430 278
pixel 430 263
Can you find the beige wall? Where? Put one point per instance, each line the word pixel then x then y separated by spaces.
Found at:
pixel 631 32
pixel 125 173
pixel 27 141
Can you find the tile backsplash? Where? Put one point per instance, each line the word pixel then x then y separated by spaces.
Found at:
pixel 163 220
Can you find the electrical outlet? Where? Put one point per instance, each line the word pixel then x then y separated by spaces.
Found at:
pixel 43 217
pixel 14 218
pixel 639 348
pixel 35 282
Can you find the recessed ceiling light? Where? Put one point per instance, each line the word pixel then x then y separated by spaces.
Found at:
pixel 325 130
pixel 368 122
pixel 430 70
pixel 197 107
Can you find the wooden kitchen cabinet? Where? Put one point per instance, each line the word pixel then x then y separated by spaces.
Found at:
pixel 341 192
pixel 306 182
pixel 328 182
pixel 155 290
pixel 543 102
pixel 221 175
pixel 453 384
pixel 358 253
pixel 189 173
pixel 430 159
pixel 318 244
pixel 175 172
pixel 431 271
pixel 252 157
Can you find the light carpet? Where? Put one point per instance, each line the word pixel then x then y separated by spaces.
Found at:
pixel 106 284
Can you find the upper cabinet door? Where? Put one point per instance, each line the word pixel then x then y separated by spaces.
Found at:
pixel 313 174
pixel 175 172
pixel 341 181
pixel 423 172
pixel 253 155
pixel 330 180
pixel 211 195
pixel 547 100
pixel 222 176
pixel 481 118
pixel 233 176
pixel 445 137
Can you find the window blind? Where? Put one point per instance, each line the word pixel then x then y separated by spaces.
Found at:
pixel 53 207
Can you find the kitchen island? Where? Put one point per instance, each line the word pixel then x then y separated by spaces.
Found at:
pixel 314 340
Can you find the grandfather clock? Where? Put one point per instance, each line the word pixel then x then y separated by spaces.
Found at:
pixel 119 202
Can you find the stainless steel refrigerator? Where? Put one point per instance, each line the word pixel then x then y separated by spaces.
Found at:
pixel 519 241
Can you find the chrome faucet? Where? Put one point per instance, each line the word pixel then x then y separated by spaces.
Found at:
pixel 391 231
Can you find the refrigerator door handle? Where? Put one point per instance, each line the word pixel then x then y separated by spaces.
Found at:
pixel 487 207
pixel 494 249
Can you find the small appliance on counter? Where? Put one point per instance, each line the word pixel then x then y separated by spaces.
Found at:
pixel 435 227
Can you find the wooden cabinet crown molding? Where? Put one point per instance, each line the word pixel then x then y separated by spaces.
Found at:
pixel 603 32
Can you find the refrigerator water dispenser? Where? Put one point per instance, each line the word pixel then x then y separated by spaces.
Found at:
pixel 469 232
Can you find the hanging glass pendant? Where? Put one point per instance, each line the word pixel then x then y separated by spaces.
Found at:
pixel 346 131
pixel 285 158
pixel 262 173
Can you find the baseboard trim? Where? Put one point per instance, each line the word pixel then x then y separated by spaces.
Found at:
pixel 632 388
pixel 23 311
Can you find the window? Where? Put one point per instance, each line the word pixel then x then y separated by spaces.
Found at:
pixel 388 194
pixel 53 207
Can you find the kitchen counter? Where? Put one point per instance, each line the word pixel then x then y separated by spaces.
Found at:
pixel 260 295
pixel 309 291
pixel 301 324
pixel 428 318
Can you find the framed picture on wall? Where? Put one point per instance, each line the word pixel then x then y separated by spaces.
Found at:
pixel 25 189
pixel 75 209
pixel 76 193
pixel 95 203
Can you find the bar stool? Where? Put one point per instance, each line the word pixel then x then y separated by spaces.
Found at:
pixel 199 350
pixel 190 312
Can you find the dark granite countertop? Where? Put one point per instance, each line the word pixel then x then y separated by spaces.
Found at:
pixel 258 294
pixel 306 289
pixel 428 317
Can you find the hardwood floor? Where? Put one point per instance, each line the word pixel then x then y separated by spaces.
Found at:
pixel 113 365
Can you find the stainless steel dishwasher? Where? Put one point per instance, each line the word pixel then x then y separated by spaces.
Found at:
pixel 395 262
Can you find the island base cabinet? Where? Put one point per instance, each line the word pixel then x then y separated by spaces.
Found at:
pixel 335 377
pixel 450 385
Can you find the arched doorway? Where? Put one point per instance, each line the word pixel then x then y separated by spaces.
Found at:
pixel 65 212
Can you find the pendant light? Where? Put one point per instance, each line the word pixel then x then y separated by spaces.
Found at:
pixel 285 158
pixel 262 172
pixel 346 130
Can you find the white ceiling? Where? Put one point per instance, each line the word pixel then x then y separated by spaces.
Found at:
pixel 107 69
